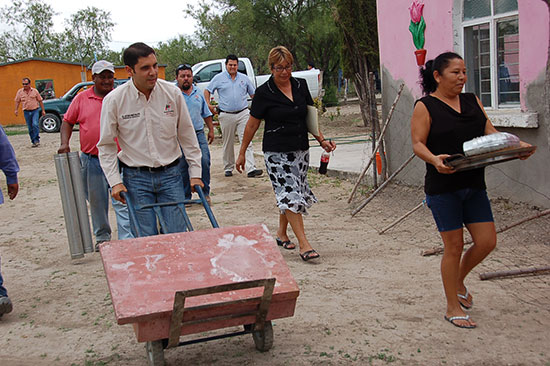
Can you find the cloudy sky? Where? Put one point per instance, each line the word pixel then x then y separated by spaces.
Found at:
pixel 134 20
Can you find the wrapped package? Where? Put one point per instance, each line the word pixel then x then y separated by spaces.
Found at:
pixel 488 143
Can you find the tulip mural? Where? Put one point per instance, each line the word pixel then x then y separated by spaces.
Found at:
pixel 417 28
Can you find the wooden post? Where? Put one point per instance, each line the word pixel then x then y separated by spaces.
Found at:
pixel 382 186
pixel 402 218
pixel 376 146
pixel 513 272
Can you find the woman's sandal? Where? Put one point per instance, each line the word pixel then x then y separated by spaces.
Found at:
pixel 285 244
pixel 465 297
pixel 310 254
pixel 452 319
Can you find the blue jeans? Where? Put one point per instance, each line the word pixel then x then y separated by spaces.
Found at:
pixel 98 195
pixel 149 187
pixel 31 117
pixel 3 291
pixel 205 162
pixel 465 206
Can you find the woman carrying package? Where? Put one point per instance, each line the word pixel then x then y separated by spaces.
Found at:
pixel 282 101
pixel 441 122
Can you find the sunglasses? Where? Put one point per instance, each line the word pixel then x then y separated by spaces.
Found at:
pixel 184 67
pixel 25 84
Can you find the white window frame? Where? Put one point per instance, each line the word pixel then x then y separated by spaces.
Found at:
pixel 507 116
pixel 492 20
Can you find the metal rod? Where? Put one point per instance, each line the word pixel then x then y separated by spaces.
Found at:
pixel 206 206
pixel 75 168
pixel 76 247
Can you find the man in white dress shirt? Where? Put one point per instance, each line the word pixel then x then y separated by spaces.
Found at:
pixel 149 118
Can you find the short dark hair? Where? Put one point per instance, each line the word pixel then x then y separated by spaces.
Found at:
pixel 183 67
pixel 27 79
pixel 134 52
pixel 427 80
pixel 231 57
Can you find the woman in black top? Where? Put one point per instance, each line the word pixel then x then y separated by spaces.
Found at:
pixel 282 102
pixel 441 122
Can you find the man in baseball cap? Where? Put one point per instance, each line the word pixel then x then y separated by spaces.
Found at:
pixel 85 109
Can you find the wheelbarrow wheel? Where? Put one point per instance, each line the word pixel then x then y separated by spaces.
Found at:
pixel 263 339
pixel 155 353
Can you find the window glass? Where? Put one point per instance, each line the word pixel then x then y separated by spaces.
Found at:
pixel 477 58
pixel 504 6
pixel 45 88
pixel 508 61
pixel 208 72
pixel 241 67
pixel 476 9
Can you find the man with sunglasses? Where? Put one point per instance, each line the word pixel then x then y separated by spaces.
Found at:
pixel 30 100
pixel 85 109
pixel 200 114
pixel 233 89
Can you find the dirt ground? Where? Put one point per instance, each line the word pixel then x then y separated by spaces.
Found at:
pixel 370 300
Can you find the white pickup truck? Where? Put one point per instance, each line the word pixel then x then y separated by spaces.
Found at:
pixel 204 71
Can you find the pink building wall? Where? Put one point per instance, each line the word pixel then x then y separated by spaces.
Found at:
pixel 524 181
pixel 534 32
pixel 397 48
pixel 395 40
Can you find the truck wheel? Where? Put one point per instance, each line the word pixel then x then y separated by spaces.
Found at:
pixel 49 123
pixel 264 339
pixel 155 353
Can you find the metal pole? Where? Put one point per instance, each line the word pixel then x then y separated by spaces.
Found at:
pixel 76 247
pixel 80 200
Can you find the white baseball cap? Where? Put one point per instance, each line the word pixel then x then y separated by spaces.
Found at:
pixel 101 66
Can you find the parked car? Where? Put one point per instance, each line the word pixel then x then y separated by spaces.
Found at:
pixel 56 108
pixel 204 71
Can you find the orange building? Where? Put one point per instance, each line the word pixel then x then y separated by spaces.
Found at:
pixel 52 78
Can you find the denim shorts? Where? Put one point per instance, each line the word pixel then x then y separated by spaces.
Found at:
pixel 453 210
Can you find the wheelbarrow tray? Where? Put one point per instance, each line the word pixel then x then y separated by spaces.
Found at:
pixel 144 274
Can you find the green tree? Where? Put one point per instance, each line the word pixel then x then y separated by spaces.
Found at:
pixel 177 51
pixel 252 28
pixel 86 35
pixel 30 34
pixel 360 56
pixel 359 48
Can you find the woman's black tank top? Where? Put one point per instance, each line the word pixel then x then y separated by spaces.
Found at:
pixel 449 130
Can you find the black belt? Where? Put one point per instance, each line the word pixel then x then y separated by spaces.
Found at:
pixel 90 155
pixel 236 112
pixel 150 169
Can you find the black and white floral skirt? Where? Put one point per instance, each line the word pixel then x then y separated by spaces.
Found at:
pixel 288 174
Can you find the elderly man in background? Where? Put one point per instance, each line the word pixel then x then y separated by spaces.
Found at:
pixel 200 115
pixel 9 166
pixel 85 110
pixel 150 119
pixel 233 89
pixel 30 100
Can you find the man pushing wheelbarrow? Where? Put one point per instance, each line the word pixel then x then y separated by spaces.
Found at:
pixel 179 283
pixel 149 118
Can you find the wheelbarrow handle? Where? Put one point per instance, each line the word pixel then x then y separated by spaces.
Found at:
pixel 206 206
pixel 131 213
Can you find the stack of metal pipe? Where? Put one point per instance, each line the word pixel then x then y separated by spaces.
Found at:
pixel 73 199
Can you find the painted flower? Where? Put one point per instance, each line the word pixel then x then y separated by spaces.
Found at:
pixel 416 10
pixel 417 26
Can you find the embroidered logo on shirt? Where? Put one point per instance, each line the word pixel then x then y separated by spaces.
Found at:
pixel 168 109
pixel 131 115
